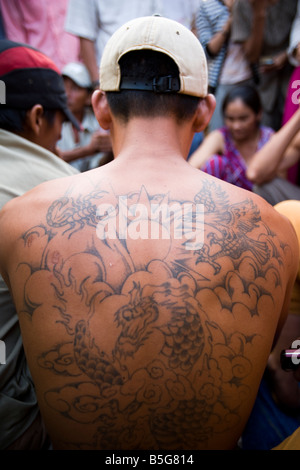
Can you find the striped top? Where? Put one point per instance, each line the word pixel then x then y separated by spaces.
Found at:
pixel 211 17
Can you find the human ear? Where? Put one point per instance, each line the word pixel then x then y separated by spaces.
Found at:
pixel 204 112
pixel 34 118
pixel 101 109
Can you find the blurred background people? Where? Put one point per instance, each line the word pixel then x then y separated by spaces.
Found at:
pixel 90 146
pixel 40 23
pixel 246 153
pixel 227 63
pixel 293 92
pixel 226 152
pixel 294 45
pixel 263 28
pixel 30 125
pixel 95 21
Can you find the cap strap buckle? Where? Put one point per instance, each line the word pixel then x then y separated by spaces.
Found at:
pixel 167 84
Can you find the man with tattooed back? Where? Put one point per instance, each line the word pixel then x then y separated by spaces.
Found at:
pixel 149 293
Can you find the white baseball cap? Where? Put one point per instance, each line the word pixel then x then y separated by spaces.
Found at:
pixel 79 73
pixel 162 35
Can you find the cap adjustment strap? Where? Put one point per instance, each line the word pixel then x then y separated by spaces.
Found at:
pixel 166 84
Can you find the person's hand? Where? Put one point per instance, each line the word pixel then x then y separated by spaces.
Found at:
pixel 100 142
pixel 278 62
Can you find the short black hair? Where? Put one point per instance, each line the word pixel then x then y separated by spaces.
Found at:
pixel 248 94
pixel 147 64
pixel 13 120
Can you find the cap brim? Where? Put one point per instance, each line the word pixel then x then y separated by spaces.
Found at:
pixel 72 118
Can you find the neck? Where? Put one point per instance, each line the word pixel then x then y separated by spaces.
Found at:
pixel 248 146
pixel 144 139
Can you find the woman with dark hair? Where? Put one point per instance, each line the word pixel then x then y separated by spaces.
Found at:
pixel 226 152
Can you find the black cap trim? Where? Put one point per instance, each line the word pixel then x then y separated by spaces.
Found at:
pixel 166 84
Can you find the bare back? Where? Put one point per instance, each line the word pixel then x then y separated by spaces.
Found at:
pixel 148 315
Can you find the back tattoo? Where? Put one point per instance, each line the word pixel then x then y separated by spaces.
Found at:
pixel 142 286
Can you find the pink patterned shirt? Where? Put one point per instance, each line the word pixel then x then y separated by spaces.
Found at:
pixel 231 166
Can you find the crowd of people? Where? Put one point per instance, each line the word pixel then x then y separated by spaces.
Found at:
pixel 120 102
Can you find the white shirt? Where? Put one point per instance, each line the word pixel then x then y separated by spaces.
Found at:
pixel 97 20
pixel 67 141
pixel 294 37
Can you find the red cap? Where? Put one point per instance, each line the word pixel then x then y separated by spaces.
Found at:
pixel 31 78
